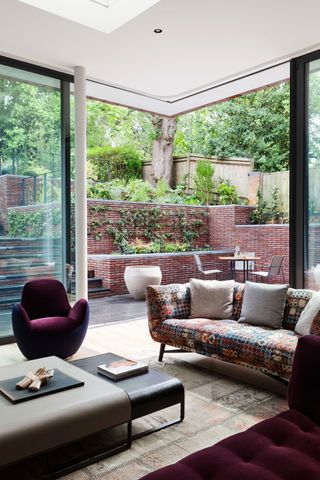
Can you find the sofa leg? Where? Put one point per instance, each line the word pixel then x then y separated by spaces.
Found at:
pixel 161 351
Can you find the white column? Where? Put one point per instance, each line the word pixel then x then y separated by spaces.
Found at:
pixel 80 183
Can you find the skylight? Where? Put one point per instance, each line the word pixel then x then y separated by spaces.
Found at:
pixel 90 14
pixel 105 3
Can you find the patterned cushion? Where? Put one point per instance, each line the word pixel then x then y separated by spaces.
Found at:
pixel 295 303
pixel 270 351
pixel 167 301
pixel 238 294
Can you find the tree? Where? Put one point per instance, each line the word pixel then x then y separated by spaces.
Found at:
pixel 117 126
pixel 254 126
pixel 162 150
pixel 29 125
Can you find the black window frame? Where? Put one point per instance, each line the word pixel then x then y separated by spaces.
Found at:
pixel 65 81
pixel 299 167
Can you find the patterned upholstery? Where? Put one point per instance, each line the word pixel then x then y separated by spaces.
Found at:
pixel 237 300
pixel 167 301
pixel 270 351
pixel 295 303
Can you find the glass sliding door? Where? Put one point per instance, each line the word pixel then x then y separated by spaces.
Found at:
pixel 305 171
pixel 312 266
pixel 33 184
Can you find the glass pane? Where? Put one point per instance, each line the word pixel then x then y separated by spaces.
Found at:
pixel 312 270
pixel 31 239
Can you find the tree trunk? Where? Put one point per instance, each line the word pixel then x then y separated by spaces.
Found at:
pixel 162 159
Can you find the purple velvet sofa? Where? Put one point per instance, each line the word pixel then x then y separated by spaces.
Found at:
pixel 285 447
pixel 44 324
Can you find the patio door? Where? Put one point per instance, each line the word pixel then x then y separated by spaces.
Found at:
pixel 34 181
pixel 305 171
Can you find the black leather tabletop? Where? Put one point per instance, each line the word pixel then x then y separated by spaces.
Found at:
pixel 148 392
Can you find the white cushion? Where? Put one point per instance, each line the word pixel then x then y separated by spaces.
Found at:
pixel 211 298
pixel 304 323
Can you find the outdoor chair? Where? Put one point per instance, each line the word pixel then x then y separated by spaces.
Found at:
pixel 275 268
pixel 215 272
pixel 45 324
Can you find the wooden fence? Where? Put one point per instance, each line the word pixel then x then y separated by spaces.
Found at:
pixel 235 170
pixel 269 181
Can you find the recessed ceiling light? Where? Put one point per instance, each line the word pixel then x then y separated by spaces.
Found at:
pixel 157 30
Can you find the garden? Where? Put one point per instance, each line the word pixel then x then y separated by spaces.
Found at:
pixel 120 140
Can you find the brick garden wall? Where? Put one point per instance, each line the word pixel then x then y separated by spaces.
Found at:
pixel 222 227
pixel 175 267
pixel 228 226
pixel 103 213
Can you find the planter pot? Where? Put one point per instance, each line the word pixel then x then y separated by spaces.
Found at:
pixel 138 277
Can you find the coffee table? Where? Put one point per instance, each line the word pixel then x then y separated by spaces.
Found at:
pixel 148 392
pixel 44 424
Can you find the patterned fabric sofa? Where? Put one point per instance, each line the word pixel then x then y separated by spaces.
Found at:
pixel 261 348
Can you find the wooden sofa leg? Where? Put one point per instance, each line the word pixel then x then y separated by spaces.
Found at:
pixel 161 351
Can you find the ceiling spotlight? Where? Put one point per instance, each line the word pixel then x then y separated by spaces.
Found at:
pixel 157 30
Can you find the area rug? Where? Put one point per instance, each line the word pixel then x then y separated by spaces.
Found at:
pixel 216 407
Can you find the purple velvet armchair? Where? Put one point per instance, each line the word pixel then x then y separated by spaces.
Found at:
pixel 284 447
pixel 45 324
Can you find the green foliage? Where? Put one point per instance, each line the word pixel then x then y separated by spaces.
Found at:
pixel 29 127
pixel 136 190
pixel 276 214
pixel 117 126
pixel 203 182
pixel 254 126
pixel 261 213
pixel 41 223
pixel 147 226
pixel 121 162
pixel 139 247
pixel 264 213
pixel 227 194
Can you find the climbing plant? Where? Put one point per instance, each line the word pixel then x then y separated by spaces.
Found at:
pixel 147 230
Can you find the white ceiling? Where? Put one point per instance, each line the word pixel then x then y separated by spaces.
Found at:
pixel 204 43
pixel 102 15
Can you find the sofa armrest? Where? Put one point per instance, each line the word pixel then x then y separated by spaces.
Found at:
pixel 167 301
pixel 304 386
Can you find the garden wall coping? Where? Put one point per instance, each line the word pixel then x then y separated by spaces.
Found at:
pixel 154 255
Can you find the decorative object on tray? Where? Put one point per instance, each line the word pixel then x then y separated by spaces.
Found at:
pixel 34 380
pixel 18 390
pixel 121 367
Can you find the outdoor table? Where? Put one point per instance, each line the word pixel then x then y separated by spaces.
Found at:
pixel 245 262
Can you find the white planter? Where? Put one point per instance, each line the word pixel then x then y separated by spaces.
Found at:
pixel 138 277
